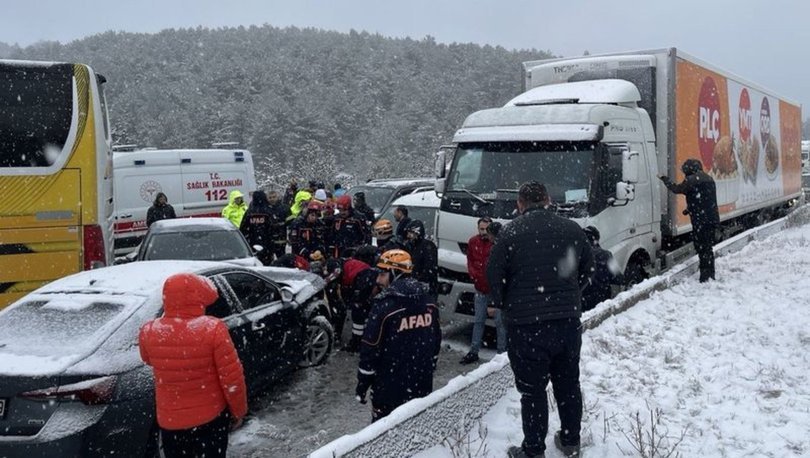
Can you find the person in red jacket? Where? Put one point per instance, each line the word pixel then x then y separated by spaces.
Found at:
pixel 477 256
pixel 199 384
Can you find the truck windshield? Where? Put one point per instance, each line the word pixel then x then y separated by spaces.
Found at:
pixel 489 169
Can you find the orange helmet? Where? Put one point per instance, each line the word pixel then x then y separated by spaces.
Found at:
pixel 396 260
pixel 383 227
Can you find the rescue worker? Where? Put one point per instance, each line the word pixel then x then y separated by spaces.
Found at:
pixel 606 272
pixel 347 231
pixel 339 191
pixel 358 288
pixel 200 391
pixel 289 194
pixel 307 232
pixel 236 208
pixel 300 202
pixel 701 206
pixel 159 210
pixel 278 225
pixel 425 256
pixel 384 232
pixel 256 226
pixel 364 213
pixel 402 339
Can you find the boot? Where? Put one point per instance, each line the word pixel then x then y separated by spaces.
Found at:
pixel 518 452
pixel 354 344
pixel 567 450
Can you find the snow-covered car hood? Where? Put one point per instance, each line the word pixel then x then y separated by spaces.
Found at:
pixel 303 285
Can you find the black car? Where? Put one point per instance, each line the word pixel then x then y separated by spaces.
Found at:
pixel 72 382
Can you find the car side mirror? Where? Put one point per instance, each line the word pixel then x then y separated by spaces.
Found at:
pixel 287 295
pixel 630 163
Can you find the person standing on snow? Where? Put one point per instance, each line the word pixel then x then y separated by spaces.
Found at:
pixel 402 339
pixel 606 272
pixel 478 248
pixel 536 270
pixel 236 208
pixel 307 232
pixel 701 206
pixel 159 210
pixel 200 391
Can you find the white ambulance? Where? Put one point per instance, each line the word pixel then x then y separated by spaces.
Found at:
pixel 196 183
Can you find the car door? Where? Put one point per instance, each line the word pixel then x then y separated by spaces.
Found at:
pixel 268 335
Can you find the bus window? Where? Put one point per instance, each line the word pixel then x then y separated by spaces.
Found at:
pixel 36 106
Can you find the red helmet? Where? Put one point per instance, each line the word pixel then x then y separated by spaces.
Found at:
pixel 314 206
pixel 344 202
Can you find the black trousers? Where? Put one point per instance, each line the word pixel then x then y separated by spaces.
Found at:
pixel 209 440
pixel 539 352
pixel 703 240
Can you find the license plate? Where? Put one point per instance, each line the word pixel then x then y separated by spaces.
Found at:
pixel 2 409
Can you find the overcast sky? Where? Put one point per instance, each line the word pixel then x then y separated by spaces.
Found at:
pixel 767 42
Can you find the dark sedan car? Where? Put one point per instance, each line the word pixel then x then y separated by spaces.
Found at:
pixel 71 379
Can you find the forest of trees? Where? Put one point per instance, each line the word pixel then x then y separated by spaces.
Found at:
pixel 308 103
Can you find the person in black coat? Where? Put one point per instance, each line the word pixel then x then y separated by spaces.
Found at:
pixel 159 210
pixel 401 216
pixel 606 272
pixel 364 213
pixel 536 269
pixel 701 206
pixel 401 341
pixel 256 226
pixel 278 224
pixel 425 257
pixel 307 232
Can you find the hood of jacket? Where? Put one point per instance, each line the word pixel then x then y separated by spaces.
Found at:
pixel 187 295
pixel 233 195
pixel 691 167
pixel 407 287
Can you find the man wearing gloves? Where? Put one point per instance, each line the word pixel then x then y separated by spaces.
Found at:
pixel 401 341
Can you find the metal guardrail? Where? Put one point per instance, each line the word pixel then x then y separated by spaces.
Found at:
pixel 453 410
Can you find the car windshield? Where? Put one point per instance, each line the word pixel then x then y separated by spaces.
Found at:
pixel 484 168
pixel 203 245
pixel 376 197
pixel 60 326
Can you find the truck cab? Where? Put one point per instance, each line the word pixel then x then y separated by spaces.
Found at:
pixel 591 145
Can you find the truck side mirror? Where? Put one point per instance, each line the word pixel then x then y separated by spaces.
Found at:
pixel 439 186
pixel 441 158
pixel 630 162
pixel 625 192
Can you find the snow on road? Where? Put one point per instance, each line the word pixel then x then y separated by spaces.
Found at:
pixel 722 366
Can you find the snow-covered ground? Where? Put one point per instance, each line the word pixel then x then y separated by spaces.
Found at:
pixel 722 367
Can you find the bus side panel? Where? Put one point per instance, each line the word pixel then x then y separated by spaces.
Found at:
pixel 40 238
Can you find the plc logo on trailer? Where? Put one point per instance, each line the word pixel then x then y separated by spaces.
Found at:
pixel 746 118
pixel 708 121
pixel 765 121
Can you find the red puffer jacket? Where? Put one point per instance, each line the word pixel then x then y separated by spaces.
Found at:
pixel 197 370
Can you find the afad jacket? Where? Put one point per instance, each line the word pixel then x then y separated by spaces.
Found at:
pixel 233 212
pixel 197 371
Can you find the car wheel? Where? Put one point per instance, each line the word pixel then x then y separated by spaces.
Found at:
pixel 320 340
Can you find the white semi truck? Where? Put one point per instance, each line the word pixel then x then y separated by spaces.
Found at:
pixel 598 131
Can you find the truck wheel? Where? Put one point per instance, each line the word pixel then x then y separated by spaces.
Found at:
pixel 320 340
pixel 635 273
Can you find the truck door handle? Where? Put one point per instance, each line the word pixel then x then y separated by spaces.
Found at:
pixel 256 326
pixel 455 204
pixel 125 216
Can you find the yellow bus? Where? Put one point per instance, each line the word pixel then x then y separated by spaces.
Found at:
pixel 56 208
